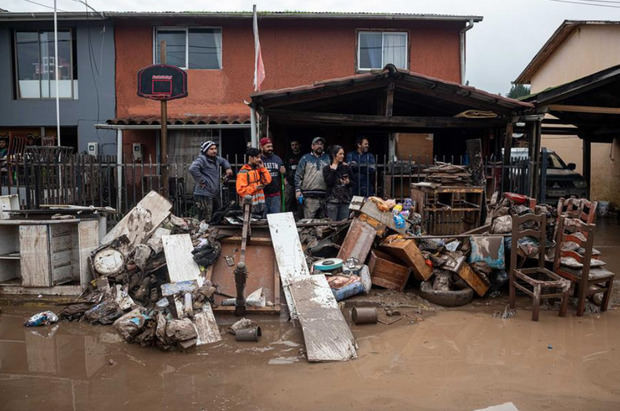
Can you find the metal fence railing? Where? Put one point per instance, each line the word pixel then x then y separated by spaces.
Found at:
pixel 56 176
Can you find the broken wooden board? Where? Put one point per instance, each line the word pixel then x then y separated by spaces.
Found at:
pixel 379 227
pixel 408 252
pixel 206 327
pixel 141 221
pixel 326 333
pixel 384 217
pixel 260 261
pixel 289 254
pixel 358 241
pixel 179 259
pixel 473 280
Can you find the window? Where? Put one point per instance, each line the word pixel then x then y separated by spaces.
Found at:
pixel 34 63
pixel 375 49
pixel 194 48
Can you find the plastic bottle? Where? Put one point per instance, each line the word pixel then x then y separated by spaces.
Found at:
pixel 301 199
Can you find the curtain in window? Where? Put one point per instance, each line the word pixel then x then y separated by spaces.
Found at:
pixel 217 39
pixel 370 50
pixel 395 49
pixel 205 48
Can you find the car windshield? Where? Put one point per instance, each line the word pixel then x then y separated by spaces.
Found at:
pixel 554 161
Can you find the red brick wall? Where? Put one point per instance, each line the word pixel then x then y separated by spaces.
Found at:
pixel 295 53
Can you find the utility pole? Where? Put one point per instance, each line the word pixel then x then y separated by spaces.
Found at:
pixel 164 129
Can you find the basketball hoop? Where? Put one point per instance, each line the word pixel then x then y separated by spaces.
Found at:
pixel 162 82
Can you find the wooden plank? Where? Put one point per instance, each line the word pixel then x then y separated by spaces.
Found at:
pixel 59 290
pixel 473 280
pixel 583 109
pixel 88 240
pixel 289 254
pixel 206 326
pixel 35 257
pixel 178 251
pixel 142 220
pixel 408 252
pixel 370 209
pixel 326 333
pixel 358 241
pixel 386 273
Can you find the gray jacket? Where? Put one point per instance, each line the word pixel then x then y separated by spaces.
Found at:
pixel 309 175
pixel 206 173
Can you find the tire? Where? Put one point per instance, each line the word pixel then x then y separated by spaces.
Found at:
pixel 451 298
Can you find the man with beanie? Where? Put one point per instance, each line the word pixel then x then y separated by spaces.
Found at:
pixel 274 164
pixel 310 186
pixel 206 173
pixel 252 179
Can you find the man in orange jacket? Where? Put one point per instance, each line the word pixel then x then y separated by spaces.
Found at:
pixel 251 180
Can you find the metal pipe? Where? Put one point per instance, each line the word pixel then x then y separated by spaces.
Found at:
pixel 468 26
pixel 364 315
pixel 248 334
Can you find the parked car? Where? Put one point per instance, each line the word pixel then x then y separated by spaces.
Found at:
pixel 561 179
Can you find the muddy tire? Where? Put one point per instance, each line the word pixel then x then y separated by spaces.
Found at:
pixel 450 298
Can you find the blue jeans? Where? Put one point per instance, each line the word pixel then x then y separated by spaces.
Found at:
pixel 273 204
pixel 337 211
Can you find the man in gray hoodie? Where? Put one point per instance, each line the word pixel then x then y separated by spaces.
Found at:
pixel 310 186
pixel 206 173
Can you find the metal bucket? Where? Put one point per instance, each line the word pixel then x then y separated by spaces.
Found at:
pixel 364 315
pixel 248 334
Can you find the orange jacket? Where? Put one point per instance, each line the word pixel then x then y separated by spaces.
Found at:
pixel 248 179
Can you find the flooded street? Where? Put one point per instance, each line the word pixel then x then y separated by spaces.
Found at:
pixel 463 358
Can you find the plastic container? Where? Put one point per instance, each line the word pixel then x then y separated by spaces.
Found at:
pixel 42 318
pixel 364 315
pixel 248 334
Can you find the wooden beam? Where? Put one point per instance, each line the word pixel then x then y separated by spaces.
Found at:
pixel 506 158
pixel 587 164
pixel 363 120
pixel 389 99
pixel 584 109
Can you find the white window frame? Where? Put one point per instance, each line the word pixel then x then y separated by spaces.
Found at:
pixel 186 29
pixel 383 33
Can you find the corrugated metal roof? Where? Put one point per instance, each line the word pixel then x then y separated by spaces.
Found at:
pixel 558 36
pixel 189 120
pixel 239 15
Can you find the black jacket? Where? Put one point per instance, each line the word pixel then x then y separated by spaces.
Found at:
pixel 338 183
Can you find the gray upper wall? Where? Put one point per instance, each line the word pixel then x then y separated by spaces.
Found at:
pixel 96 88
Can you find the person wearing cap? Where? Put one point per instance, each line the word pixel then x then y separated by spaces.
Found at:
pixel 206 173
pixel 274 164
pixel 309 182
pixel 252 179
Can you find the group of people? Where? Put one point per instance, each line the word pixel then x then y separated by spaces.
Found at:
pixel 313 185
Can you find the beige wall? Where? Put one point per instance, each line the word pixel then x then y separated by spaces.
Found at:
pixel 588 49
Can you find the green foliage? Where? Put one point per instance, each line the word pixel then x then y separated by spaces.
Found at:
pixel 518 90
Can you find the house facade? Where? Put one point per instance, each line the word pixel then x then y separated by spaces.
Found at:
pixel 577 49
pixel 86 80
pixel 217 51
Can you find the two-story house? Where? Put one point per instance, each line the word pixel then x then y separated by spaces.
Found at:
pixel 86 68
pixel 217 50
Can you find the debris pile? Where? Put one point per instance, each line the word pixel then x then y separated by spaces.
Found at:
pixel 150 279
pixel 448 174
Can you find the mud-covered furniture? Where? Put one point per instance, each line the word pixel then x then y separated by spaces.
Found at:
pixel 580 208
pixel 537 282
pixel 574 261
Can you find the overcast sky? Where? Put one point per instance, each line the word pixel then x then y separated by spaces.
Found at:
pixel 498 48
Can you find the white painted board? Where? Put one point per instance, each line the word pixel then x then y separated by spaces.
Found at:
pixel 206 327
pixel 289 254
pixel 179 259
pixel 327 335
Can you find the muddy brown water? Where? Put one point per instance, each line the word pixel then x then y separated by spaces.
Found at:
pixel 460 359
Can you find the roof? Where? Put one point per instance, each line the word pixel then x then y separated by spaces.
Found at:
pixel 187 120
pixel 557 38
pixel 589 103
pixel 246 15
pixel 414 81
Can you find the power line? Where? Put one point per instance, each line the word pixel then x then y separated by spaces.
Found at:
pixel 44 5
pixel 587 3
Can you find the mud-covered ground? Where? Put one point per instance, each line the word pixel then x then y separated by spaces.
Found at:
pixel 465 358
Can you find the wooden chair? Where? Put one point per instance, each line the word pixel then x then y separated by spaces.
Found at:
pixel 537 282
pixel 589 280
pixel 581 208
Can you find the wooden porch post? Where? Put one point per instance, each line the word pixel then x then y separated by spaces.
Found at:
pixel 587 163
pixel 534 151
pixel 506 158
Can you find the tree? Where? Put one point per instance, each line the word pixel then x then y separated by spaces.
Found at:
pixel 518 90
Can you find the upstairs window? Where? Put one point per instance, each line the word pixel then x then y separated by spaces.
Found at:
pixel 35 65
pixel 375 49
pixel 190 47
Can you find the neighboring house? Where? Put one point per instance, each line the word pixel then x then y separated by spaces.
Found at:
pixel 577 49
pixel 217 50
pixel 27 77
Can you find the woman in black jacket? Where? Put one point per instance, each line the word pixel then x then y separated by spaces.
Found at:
pixel 337 178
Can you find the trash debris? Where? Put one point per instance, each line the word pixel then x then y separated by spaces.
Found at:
pixel 248 334
pixel 42 318
pixel 364 315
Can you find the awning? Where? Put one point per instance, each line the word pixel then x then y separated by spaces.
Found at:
pixel 227 121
